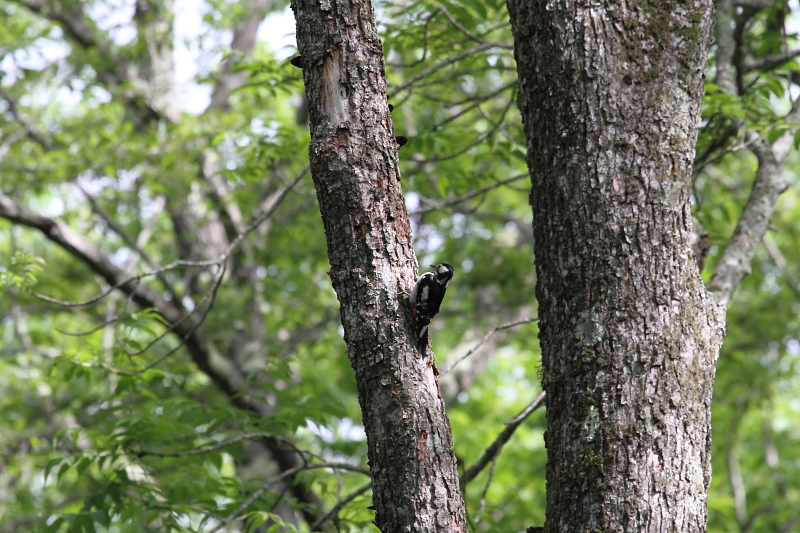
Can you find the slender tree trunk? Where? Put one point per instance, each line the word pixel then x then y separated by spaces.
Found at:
pixel 609 95
pixel 353 159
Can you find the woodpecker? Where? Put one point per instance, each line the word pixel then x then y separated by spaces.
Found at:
pixel 427 296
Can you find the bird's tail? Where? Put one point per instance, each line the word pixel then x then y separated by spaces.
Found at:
pixel 422 336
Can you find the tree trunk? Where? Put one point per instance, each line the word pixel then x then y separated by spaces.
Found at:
pixel 353 159
pixel 610 95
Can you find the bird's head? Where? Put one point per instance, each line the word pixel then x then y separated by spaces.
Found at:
pixel 443 272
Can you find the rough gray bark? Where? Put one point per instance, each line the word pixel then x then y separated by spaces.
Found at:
pixel 609 95
pixel 353 160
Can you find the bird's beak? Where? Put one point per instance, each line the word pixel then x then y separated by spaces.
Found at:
pixel 433 266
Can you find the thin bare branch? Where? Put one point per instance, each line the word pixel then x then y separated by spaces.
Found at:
pixel 341 503
pixel 482 505
pixel 239 438
pixel 454 75
pixel 772 61
pixel 780 261
pixel 486 338
pixel 494 28
pixel 476 102
pixel 445 62
pixel 424 56
pixel 458 25
pixel 270 209
pixel 82 248
pixel 705 160
pixel 737 484
pixel 478 140
pixel 133 245
pixel 211 171
pixel 173 327
pixel 494 448
pixel 127 281
pixel 305 334
pixel 434 205
pixel 208 449
pixel 112 320
pixel 283 475
pixel 13 108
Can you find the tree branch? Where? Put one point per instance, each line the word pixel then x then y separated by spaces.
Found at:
pixel 735 262
pixel 494 448
pixel 458 25
pixel 486 338
pixel 110 66
pixel 445 62
pixel 283 475
pixel 223 444
pixel 13 108
pixel 476 101
pixel 244 38
pixel 226 378
pixel 780 261
pixel 772 61
pixel 341 503
pixel 433 205
pixel 71 18
pixel 133 245
pixel 482 137
pixel 737 484
pixel 724 28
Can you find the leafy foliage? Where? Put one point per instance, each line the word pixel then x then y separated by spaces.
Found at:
pixel 112 421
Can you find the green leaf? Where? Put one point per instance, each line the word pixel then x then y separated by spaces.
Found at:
pixel 52 528
pixel 65 466
pixel 83 464
pixel 775 133
pixel 50 464
pixel 100 517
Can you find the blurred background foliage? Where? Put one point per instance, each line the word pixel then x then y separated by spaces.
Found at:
pixel 116 120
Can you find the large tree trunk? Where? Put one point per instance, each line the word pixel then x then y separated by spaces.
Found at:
pixel 353 159
pixel 609 95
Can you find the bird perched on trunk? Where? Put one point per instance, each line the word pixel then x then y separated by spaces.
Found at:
pixel 427 296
